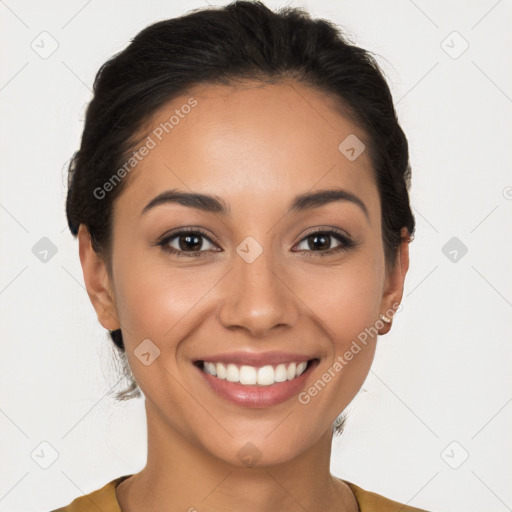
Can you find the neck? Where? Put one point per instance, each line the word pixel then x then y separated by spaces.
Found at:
pixel 181 475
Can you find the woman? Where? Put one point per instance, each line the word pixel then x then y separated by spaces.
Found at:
pixel 240 198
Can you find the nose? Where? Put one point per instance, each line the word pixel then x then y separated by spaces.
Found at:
pixel 257 297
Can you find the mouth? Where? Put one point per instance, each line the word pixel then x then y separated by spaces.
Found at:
pixel 255 376
pixel 256 385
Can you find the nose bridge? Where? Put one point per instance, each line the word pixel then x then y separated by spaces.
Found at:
pixel 257 298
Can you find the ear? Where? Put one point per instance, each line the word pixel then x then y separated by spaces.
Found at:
pixel 394 285
pixel 97 281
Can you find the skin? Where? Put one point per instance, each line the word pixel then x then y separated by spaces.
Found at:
pixel 256 146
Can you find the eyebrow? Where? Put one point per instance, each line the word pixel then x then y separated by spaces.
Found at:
pixel 215 204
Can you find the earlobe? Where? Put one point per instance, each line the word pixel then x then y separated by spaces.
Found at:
pixel 97 281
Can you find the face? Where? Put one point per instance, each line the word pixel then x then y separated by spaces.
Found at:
pixel 255 279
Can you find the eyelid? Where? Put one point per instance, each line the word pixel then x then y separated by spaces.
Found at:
pixel 164 243
pixel 344 240
pixel 323 229
pixel 174 232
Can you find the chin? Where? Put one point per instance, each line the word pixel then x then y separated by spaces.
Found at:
pixel 259 447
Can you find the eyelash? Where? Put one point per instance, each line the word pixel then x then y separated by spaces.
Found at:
pixel 345 243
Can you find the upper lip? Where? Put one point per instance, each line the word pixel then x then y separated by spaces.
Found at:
pixel 256 359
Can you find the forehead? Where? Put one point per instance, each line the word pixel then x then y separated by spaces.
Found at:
pixel 250 143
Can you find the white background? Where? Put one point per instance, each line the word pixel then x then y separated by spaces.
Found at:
pixel 443 372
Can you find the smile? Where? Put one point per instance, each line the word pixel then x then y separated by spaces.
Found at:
pixel 260 380
pixel 251 375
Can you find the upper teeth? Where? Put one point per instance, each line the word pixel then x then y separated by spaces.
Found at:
pixel 250 375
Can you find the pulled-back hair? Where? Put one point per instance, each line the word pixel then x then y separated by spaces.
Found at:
pixel 240 41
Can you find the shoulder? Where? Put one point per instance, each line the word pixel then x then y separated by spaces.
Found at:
pixel 372 502
pixel 103 499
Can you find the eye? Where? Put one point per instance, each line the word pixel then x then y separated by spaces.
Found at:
pixel 187 242
pixel 322 240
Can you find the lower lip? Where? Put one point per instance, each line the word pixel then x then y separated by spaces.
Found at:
pixel 258 396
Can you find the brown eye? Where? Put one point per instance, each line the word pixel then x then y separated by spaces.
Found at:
pixel 321 242
pixel 187 243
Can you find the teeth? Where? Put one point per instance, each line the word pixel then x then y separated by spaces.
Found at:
pixel 281 373
pixel 250 376
pixel 301 367
pixel 292 371
pixel 266 376
pixel 232 373
pixel 220 370
pixel 211 368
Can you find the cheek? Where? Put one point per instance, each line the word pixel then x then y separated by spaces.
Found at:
pixel 159 305
pixel 346 299
pixel 151 295
pixel 166 306
pixel 153 303
pixel 346 304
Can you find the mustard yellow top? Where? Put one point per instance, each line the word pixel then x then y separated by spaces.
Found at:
pixel 105 499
